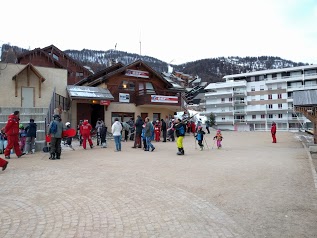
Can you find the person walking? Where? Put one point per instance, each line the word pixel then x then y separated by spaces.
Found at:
pixel 55 130
pixel 31 129
pixel 149 128
pixel 200 137
pixel 85 131
pixel 3 164
pixel 126 128
pixel 180 129
pixel 11 130
pixel 116 132
pixel 163 129
pixel 273 132
pixel 218 137
pixel 138 132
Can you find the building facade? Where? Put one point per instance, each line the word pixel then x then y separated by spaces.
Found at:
pixel 252 101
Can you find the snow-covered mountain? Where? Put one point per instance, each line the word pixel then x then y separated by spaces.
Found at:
pixel 210 70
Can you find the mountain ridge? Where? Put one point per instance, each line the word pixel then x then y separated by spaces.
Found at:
pixel 209 70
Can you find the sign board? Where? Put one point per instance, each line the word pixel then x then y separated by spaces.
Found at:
pixel 124 97
pixel 165 99
pixel 105 102
pixel 137 73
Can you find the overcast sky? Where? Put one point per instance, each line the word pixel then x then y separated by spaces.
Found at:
pixel 176 31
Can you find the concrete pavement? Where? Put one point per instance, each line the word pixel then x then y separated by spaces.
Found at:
pixel 249 188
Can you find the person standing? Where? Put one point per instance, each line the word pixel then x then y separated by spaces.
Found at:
pixel 148 134
pixel 180 129
pixel 3 164
pixel 207 126
pixel 273 132
pixel 85 131
pixel 218 137
pixel 98 126
pixel 69 139
pixel 116 132
pixel 55 130
pixel 22 137
pixel 11 130
pixel 31 129
pixel 138 132
pixel 126 128
pixel 163 129
pixel 131 124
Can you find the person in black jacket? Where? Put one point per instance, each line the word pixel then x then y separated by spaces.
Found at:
pixel 30 129
pixel 163 129
pixel 138 131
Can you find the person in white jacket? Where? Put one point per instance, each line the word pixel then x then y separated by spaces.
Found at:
pixel 116 132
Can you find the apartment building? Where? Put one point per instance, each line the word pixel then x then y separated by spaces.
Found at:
pixel 252 101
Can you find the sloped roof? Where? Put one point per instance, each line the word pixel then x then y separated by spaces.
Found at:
pixel 305 98
pixel 84 92
pixel 32 68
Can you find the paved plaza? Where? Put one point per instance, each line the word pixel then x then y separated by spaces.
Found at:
pixel 249 188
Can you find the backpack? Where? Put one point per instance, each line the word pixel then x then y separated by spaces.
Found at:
pixel 53 128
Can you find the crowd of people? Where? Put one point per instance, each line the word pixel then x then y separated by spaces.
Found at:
pixel 21 140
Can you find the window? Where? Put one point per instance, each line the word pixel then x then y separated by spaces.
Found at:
pixel 279 96
pixel 223 118
pixel 253 116
pixel 280 106
pixel 261 87
pixel 262 116
pixel 222 99
pixel 280 115
pixel 271 116
pixel 270 96
pixel 55 56
pixel 126 85
pixel 253 98
pixel 149 88
pixel 269 87
pixel 79 74
pixel 252 88
pixel 261 97
pixel 270 106
pixel 279 86
pixel 230 99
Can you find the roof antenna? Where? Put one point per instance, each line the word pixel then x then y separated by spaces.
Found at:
pixel 140 44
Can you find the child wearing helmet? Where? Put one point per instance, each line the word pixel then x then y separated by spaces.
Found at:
pixel 69 139
pixel 218 137
pixel 200 137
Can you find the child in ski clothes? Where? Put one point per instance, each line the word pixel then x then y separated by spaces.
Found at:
pixel 157 131
pixel 200 137
pixel 22 137
pixel 69 139
pixel 85 130
pixel 218 137
pixel 30 129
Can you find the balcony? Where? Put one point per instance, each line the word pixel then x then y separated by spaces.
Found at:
pixel 240 111
pixel 240 102
pixel 239 93
pixel 149 97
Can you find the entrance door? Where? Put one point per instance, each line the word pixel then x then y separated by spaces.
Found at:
pixel 27 97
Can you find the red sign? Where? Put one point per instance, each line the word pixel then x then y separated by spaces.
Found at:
pixel 105 102
pixel 137 73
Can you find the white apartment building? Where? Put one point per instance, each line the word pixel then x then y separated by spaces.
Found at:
pixel 252 101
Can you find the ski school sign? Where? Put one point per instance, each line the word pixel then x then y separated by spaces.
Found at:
pixel 137 73
pixel 165 99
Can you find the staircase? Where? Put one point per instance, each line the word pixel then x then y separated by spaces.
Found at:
pixel 38 114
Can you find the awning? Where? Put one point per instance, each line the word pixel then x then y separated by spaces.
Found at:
pixel 84 92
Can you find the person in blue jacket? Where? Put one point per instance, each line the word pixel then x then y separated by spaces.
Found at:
pixel 200 137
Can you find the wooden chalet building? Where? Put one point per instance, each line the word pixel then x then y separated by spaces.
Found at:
pixel 53 57
pixel 136 89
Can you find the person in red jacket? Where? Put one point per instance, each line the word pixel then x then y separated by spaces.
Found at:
pixel 3 164
pixel 85 130
pixel 12 131
pixel 157 131
pixel 273 132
